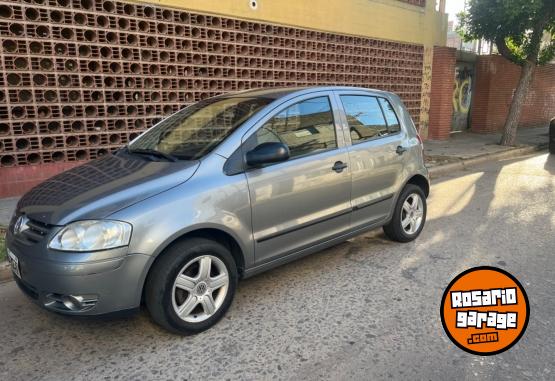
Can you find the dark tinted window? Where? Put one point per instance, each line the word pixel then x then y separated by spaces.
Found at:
pixel 393 125
pixel 364 116
pixel 194 131
pixel 306 127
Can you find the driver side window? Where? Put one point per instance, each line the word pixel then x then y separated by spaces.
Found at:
pixel 305 127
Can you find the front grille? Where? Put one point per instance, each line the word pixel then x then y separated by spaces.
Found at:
pixel 36 230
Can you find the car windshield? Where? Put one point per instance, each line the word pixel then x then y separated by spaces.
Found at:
pixel 194 131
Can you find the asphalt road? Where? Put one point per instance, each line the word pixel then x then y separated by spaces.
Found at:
pixel 365 309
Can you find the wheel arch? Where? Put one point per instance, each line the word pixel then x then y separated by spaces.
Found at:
pixel 420 181
pixel 213 232
pixel 217 234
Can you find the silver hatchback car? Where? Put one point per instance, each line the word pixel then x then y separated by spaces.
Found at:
pixel 221 190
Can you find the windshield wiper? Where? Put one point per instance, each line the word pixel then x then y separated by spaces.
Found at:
pixel 153 152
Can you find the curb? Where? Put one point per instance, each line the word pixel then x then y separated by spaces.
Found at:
pixel 442 170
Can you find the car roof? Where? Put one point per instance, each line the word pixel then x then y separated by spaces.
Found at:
pixel 280 92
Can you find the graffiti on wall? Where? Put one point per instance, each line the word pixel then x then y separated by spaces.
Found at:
pixel 462 95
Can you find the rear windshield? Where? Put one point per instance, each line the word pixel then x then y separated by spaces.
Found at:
pixel 196 130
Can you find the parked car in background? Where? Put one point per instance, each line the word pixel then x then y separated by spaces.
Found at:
pixel 221 190
pixel 552 136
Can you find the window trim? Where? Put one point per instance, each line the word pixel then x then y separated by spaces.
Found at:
pixel 292 105
pixel 236 164
pixel 394 113
pixel 339 94
pixel 259 124
pixel 369 93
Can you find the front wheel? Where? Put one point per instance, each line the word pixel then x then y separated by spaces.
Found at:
pixel 409 215
pixel 191 286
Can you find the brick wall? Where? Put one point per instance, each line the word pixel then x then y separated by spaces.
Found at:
pixel 441 105
pixel 496 81
pixel 15 181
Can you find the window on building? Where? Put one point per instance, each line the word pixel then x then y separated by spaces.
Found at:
pixel 306 127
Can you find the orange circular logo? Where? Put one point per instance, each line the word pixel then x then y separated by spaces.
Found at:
pixel 485 310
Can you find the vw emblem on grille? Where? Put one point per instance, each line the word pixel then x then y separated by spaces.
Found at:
pixel 21 224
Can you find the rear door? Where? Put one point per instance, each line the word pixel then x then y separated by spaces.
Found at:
pixel 306 199
pixel 375 154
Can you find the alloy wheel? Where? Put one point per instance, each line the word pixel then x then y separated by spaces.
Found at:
pixel 412 213
pixel 200 288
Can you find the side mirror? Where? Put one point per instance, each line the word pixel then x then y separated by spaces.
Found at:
pixel 265 153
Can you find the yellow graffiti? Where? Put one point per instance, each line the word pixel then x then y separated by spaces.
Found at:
pixel 461 95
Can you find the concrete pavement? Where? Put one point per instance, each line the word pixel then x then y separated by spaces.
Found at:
pixel 365 309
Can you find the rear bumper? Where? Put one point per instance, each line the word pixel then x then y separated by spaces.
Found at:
pixel 97 288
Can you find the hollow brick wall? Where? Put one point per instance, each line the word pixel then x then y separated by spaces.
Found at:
pixel 82 77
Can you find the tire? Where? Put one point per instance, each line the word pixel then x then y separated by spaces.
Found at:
pixel 394 229
pixel 165 295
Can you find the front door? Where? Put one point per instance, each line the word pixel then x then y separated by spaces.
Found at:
pixel 306 199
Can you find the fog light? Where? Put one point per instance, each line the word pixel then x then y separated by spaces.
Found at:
pixel 73 303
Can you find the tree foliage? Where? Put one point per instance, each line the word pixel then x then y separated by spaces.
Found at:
pixel 522 30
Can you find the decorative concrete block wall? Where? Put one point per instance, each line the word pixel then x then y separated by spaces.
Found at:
pixel 80 78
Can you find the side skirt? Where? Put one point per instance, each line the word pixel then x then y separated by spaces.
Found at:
pixel 312 249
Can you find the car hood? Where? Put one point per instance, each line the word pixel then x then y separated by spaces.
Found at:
pixel 102 187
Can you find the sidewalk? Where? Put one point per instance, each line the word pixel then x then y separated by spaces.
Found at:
pixel 467 145
pixel 460 150
pixel 465 149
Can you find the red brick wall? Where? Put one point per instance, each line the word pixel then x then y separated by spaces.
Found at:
pixel 496 81
pixel 14 181
pixel 441 104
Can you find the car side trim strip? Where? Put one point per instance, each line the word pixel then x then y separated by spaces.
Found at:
pixel 373 202
pixel 305 225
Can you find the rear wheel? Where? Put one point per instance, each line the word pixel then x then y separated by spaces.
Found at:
pixel 191 286
pixel 409 215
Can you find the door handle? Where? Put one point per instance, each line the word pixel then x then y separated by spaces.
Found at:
pixel 400 150
pixel 339 166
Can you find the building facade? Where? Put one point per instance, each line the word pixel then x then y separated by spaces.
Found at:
pixel 80 78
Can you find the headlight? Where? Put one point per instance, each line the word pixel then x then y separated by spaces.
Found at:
pixel 92 235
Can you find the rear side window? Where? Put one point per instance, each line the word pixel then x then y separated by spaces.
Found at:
pixel 369 117
pixel 393 125
pixel 364 116
pixel 306 127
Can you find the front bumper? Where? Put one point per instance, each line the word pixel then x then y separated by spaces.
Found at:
pixel 83 288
